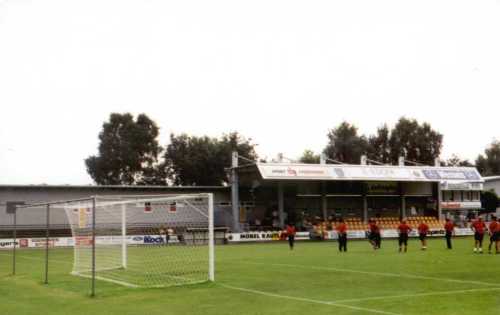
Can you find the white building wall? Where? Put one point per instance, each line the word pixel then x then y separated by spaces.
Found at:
pixel 492 183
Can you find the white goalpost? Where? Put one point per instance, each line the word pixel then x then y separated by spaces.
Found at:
pixel 144 241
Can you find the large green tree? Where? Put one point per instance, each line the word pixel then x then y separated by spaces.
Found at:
pixel 309 157
pixel 345 145
pixel 489 163
pixel 128 152
pixel 192 160
pixel 416 142
pixel 455 160
pixel 379 146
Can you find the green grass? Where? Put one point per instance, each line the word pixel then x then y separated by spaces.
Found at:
pixel 270 279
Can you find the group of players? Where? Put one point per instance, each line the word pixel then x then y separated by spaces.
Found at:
pixel 375 236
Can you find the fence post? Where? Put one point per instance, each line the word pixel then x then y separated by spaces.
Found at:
pixel 47 245
pixel 211 238
pixel 14 243
pixel 93 246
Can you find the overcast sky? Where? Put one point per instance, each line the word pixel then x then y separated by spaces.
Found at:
pixel 281 72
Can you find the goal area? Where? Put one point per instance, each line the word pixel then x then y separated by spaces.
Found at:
pixel 144 241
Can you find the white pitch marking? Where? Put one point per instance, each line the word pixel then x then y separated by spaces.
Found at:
pixel 417 295
pixel 268 294
pixel 385 274
pixel 123 283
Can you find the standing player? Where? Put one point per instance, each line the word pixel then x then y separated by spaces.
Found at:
pixel 163 232
pixel 478 227
pixel 449 227
pixel 423 229
pixel 342 233
pixel 374 234
pixel 497 237
pixel 403 230
pixel 492 228
pixel 290 232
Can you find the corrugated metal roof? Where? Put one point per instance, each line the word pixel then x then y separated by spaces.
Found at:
pixel 131 187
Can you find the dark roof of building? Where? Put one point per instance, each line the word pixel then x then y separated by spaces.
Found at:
pixel 114 187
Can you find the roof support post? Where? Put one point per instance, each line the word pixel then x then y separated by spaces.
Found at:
pixel 439 201
pixel 403 206
pixel 281 205
pixel 365 208
pixel 324 204
pixel 403 200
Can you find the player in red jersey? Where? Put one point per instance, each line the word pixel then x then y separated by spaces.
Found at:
pixel 497 237
pixel 374 234
pixel 423 229
pixel 290 233
pixel 403 230
pixel 478 227
pixel 492 228
pixel 342 233
pixel 449 228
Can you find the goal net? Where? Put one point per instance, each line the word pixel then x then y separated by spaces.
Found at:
pixel 144 241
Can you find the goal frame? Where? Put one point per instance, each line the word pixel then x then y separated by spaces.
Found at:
pixel 94 202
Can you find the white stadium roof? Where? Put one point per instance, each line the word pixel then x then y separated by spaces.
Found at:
pixel 338 172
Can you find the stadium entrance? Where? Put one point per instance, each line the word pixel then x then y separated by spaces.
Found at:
pixel 271 194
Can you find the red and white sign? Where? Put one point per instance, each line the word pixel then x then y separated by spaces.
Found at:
pixel 455 205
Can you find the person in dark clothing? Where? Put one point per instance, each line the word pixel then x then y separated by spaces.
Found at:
pixel 342 233
pixel 448 228
pixel 374 234
pixel 290 232
pixel 403 229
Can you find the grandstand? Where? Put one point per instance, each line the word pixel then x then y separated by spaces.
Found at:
pixel 318 194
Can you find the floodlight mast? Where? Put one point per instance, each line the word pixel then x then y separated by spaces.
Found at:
pixel 235 202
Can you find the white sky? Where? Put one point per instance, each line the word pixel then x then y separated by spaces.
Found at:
pixel 281 72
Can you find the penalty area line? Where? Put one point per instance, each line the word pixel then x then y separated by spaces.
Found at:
pixel 375 273
pixel 301 299
pixel 434 293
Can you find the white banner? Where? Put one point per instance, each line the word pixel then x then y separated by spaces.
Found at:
pixel 87 240
pixel 463 231
pixel 265 236
pixel 233 238
pixel 368 172
pixel 7 243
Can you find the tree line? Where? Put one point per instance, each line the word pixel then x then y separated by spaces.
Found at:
pixel 129 152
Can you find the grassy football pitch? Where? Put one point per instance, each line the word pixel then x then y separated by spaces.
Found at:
pixel 270 279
